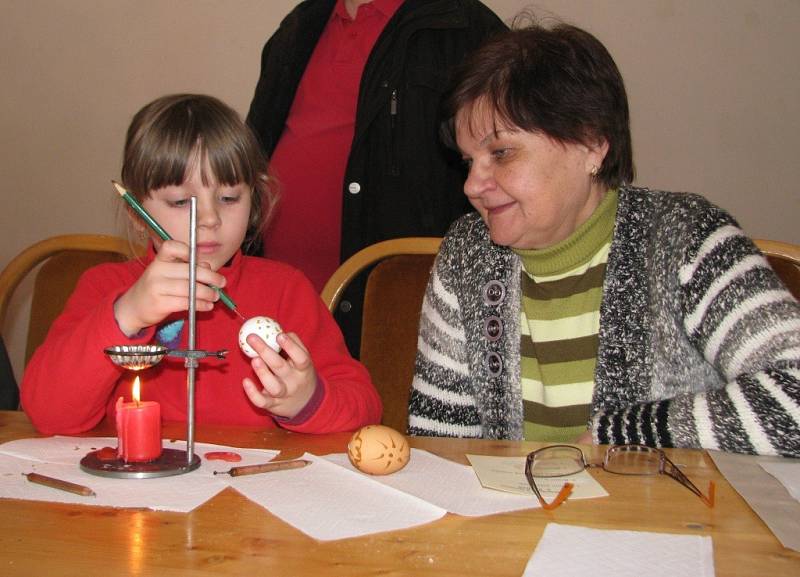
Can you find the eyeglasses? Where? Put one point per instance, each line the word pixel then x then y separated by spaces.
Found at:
pixel 564 460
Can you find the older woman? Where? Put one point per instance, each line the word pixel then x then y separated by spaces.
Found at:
pixel 576 307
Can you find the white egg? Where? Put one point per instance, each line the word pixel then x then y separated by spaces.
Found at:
pixel 264 327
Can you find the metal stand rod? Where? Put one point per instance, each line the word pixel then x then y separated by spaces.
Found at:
pixel 171 461
pixel 191 362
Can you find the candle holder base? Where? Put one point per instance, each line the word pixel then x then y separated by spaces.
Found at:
pixel 171 462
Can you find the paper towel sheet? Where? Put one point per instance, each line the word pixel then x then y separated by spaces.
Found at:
pixel 326 501
pixel 59 457
pixel 323 500
pixel 180 493
pixel 787 472
pixel 568 551
pixel 451 486
pixel 765 494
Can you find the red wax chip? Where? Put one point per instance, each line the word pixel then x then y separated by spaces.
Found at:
pixel 107 454
pixel 223 456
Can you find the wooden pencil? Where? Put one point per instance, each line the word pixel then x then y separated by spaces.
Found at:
pixel 60 485
pixel 264 468
pixel 164 235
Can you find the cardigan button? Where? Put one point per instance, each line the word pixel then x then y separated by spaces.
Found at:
pixel 494 364
pixel 353 188
pixel 345 306
pixel 493 293
pixel 493 328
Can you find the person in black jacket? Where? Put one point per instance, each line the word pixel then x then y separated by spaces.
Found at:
pixel 399 180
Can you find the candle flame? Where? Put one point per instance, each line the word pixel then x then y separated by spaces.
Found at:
pixel 136 388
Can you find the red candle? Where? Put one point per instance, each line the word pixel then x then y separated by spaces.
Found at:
pixel 138 429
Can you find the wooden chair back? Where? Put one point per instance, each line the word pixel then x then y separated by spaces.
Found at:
pixel 784 257
pixel 9 392
pixel 392 303
pixel 65 258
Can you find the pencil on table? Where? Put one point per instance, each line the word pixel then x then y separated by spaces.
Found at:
pixel 59 484
pixel 264 468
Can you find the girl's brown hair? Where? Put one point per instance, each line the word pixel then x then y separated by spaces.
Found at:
pixel 168 135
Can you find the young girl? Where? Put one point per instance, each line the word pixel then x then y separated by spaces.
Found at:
pixel 177 147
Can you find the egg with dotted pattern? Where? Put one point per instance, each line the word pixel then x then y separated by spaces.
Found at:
pixel 378 450
pixel 266 328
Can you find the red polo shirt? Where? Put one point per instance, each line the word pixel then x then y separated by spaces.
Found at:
pixel 310 159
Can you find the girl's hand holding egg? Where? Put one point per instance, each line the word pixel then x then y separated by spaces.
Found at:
pixel 264 327
pixel 284 382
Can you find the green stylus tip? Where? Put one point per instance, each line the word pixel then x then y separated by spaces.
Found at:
pixel 225 298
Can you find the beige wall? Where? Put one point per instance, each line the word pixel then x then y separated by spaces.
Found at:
pixel 714 89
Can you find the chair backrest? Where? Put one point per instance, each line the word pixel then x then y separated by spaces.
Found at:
pixel 392 302
pixel 65 258
pixel 785 259
pixel 9 392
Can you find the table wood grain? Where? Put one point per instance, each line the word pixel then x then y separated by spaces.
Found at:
pixel 230 535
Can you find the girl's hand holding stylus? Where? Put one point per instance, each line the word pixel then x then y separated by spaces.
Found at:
pixel 286 384
pixel 163 289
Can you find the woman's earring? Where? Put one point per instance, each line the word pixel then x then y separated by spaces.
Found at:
pixel 594 170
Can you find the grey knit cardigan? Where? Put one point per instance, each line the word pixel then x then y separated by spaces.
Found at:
pixel 699 342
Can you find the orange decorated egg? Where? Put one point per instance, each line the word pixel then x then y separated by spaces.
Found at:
pixel 378 450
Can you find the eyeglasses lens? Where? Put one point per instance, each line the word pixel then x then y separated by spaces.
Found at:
pixel 633 460
pixel 557 462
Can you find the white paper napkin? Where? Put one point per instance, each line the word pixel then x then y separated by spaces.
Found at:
pixel 65 450
pixel 451 486
pixel 59 457
pixel 765 494
pixel 787 472
pixel 568 551
pixel 179 493
pixel 326 501
pixel 323 500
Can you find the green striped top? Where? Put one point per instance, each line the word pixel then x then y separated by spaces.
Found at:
pixel 560 320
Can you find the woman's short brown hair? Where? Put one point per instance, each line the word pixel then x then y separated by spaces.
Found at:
pixel 559 81
pixel 168 135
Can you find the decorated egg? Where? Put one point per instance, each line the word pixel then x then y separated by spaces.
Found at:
pixel 264 327
pixel 378 450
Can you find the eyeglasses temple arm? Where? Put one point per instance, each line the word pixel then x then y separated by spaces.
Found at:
pixel 565 492
pixel 673 471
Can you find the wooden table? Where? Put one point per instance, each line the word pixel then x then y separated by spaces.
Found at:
pixel 230 535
